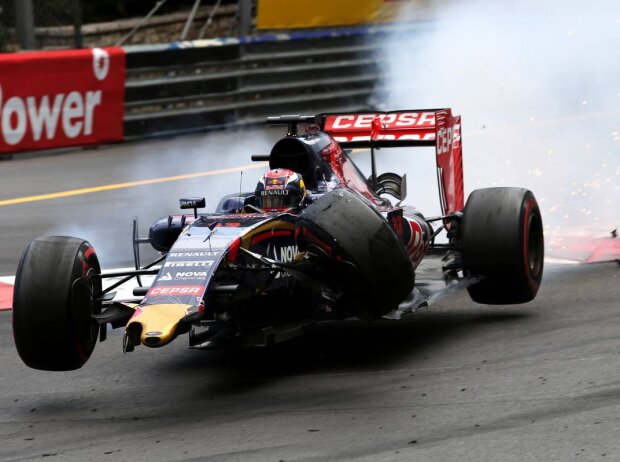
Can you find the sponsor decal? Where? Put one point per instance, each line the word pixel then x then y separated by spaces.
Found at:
pixel 190 264
pixel 231 216
pixel 166 277
pixel 416 245
pixel 287 254
pixel 444 140
pixel 192 203
pixel 193 254
pixel 402 126
pixel 61 98
pixel 426 136
pixel 457 132
pixel 397 224
pixel 388 121
pixel 185 275
pixel 274 192
pixel 174 290
pixel 284 254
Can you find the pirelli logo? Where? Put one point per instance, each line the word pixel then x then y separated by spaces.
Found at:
pixel 189 264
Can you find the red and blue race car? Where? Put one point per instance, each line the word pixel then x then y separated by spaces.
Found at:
pixel 317 240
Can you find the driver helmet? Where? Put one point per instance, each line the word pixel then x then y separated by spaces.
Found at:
pixel 280 189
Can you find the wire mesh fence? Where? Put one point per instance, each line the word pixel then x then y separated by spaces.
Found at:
pixel 59 24
pixel 28 24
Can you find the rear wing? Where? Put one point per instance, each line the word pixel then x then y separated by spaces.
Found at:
pixel 422 127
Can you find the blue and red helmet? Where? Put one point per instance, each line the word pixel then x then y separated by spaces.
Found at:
pixel 280 189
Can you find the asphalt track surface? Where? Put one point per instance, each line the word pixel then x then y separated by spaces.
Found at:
pixel 458 381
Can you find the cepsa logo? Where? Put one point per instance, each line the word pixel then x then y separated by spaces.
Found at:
pixel 389 121
pixel 62 98
pixel 446 136
pixel 174 290
pixel 394 126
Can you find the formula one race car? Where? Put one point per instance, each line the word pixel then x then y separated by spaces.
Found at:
pixel 316 241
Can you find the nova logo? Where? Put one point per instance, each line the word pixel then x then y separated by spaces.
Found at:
pixel 284 254
pixel 191 274
pixel 288 253
pixel 166 277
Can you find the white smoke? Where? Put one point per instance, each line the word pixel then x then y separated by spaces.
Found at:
pixel 109 227
pixel 538 86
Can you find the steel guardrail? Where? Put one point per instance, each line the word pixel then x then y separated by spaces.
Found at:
pixel 187 87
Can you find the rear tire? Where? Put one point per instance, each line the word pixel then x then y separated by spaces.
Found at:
pixel 502 241
pixel 350 230
pixel 52 309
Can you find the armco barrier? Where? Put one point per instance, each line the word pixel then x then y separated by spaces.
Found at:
pixel 57 99
pixel 218 83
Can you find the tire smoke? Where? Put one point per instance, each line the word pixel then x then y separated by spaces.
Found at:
pixel 538 86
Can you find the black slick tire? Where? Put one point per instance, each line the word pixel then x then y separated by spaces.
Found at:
pixel 53 306
pixel 350 230
pixel 502 241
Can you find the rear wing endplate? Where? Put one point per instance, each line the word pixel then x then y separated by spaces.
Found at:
pixel 422 127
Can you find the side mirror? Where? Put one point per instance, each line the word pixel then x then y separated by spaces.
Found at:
pixel 192 203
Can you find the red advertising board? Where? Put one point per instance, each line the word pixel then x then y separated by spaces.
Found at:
pixel 64 98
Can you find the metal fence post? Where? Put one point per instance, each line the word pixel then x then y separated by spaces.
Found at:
pixel 77 23
pixel 25 24
pixel 245 17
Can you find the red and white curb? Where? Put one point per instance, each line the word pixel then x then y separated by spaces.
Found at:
pixel 124 291
pixel 6 292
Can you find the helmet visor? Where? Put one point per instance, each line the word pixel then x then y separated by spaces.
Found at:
pixel 279 202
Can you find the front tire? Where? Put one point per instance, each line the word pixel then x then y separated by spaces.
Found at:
pixel 379 274
pixel 502 241
pixel 53 306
